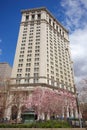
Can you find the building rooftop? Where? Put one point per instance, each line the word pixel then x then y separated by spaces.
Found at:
pixel 45 9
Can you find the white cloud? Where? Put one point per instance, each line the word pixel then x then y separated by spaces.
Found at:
pixel 78 41
pixel 75 19
pixel 75 13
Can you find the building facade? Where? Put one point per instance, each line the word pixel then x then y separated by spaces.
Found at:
pixel 5 70
pixel 42 59
pixel 5 74
pixel 42 53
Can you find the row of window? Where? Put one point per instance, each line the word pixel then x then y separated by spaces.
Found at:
pixel 33 17
pixel 36 79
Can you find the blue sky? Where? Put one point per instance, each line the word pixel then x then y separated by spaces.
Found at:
pixel 10 17
pixel 71 13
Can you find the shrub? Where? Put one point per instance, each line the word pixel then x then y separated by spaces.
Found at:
pixel 44 124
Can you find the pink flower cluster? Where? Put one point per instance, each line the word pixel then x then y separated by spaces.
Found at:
pixel 49 101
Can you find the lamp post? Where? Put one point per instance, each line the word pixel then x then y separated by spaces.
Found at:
pixel 78 109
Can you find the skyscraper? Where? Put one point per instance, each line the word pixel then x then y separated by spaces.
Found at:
pixel 42 59
pixel 42 54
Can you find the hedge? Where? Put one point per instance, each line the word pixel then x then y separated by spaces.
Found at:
pixel 46 124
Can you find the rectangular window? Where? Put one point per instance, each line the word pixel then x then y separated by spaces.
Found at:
pixel 50 21
pixel 36 74
pixel 35 80
pixel 18 81
pixel 18 75
pixel 27 74
pixel 39 16
pixel 26 80
pixel 27 69
pixel 33 16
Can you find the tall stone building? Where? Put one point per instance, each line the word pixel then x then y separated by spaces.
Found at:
pixel 42 54
pixel 42 59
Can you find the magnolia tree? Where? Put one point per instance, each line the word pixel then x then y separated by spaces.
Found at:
pixel 14 104
pixel 3 96
pixel 49 103
pixel 2 104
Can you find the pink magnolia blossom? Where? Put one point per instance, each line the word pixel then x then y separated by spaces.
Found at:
pixel 48 101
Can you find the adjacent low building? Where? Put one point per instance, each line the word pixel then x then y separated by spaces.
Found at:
pixel 5 71
pixel 5 74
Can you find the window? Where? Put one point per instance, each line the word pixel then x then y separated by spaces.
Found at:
pixel 39 16
pixel 36 74
pixel 36 59
pixel 60 31
pixel 27 74
pixel 27 80
pixel 18 81
pixel 24 31
pixel 20 65
pixel 35 80
pixel 29 55
pixel 30 51
pixel 28 64
pixel 23 40
pixel 18 75
pixel 25 27
pixel 33 16
pixel 53 24
pixel 36 64
pixel 24 34
pixel 19 70
pixel 57 27
pixel 37 50
pixel 22 48
pixel 20 60
pixel 36 69
pixel 61 76
pixel 27 69
pixel 63 33
pixel 37 55
pixel 21 56
pixel 50 21
pixel 52 80
pixel 22 44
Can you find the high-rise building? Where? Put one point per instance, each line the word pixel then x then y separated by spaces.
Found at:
pixel 42 54
pixel 42 59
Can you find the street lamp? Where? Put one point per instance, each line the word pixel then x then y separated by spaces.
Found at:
pixel 78 109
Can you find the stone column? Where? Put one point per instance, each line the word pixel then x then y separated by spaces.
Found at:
pixel 19 113
pixel 67 111
pixel 76 113
pixel 72 112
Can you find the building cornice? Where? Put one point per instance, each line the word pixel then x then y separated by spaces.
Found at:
pixel 44 9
